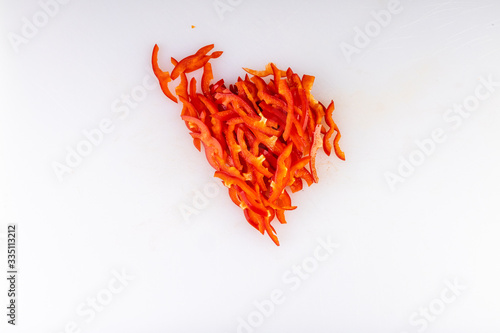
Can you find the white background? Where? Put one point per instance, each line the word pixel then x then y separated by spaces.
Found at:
pixel 118 210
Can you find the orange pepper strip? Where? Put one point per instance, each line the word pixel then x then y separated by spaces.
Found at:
pixel 163 77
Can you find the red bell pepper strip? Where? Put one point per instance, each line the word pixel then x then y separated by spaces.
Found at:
pixel 282 173
pixel 264 73
pixel 284 90
pixel 283 200
pixel 212 146
pixel 234 147
pixel 195 61
pixel 163 77
pixel 331 130
pixel 206 79
pixel 317 143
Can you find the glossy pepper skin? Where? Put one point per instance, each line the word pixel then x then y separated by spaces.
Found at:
pixel 261 137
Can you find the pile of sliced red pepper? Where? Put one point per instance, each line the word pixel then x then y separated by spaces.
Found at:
pixel 260 137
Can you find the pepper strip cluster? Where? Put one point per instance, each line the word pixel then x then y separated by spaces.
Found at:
pixel 260 137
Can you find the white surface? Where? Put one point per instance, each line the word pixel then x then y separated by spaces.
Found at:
pixel 119 209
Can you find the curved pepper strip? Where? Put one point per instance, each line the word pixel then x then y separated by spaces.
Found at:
pixel 340 154
pixel 268 71
pixel 195 61
pixel 163 77
pixel 331 130
pixel 329 121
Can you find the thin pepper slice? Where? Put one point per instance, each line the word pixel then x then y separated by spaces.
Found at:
pixel 281 175
pixel 317 143
pixel 194 62
pixel 283 200
pixel 284 90
pixel 268 71
pixel 163 77
pixel 206 79
pixel 331 130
